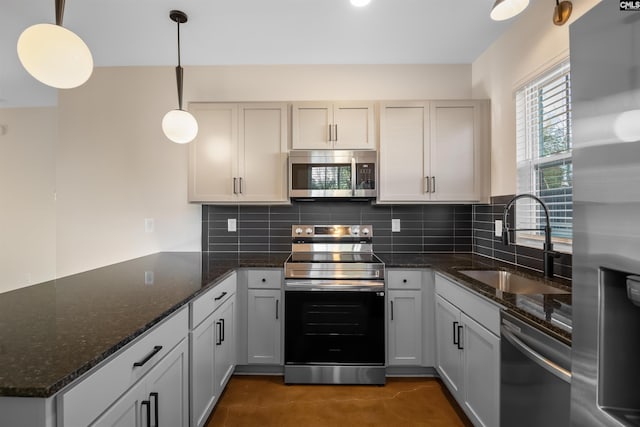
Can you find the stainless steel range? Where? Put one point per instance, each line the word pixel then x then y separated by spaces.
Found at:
pixel 334 307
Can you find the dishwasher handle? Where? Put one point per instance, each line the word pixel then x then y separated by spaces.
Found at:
pixel 534 356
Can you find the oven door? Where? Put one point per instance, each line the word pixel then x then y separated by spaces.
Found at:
pixel 334 327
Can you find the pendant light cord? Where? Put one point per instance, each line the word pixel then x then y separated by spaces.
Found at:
pixel 179 42
pixel 59 12
pixel 179 71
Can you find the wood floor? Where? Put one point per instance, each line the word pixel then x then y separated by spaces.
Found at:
pixel 266 401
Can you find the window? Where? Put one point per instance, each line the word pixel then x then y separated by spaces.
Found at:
pixel 545 168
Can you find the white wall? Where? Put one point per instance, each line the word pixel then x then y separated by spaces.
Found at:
pixel 27 187
pixel 530 46
pixel 112 167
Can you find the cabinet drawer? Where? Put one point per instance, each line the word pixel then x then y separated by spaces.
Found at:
pixel 475 306
pixel 81 404
pixel 404 279
pixel 264 279
pixel 208 302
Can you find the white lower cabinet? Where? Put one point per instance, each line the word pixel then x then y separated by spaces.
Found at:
pixel 225 348
pixel 126 412
pixel 161 399
pixel 213 348
pixel 405 328
pixel 146 384
pixel 468 352
pixel 264 316
pixel 264 326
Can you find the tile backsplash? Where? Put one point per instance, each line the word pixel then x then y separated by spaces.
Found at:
pixel 423 228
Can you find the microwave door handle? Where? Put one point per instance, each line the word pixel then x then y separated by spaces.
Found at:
pixel 353 177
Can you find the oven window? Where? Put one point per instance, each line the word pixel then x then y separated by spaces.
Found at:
pixel 321 176
pixel 334 327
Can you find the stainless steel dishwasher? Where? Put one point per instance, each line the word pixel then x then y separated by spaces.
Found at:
pixel 535 376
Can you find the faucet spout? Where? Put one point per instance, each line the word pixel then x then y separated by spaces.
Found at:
pixel 548 253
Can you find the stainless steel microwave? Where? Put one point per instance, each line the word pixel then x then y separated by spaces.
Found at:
pixel 332 173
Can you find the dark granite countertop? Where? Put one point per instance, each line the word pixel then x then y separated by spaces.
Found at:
pixel 53 332
pixel 548 312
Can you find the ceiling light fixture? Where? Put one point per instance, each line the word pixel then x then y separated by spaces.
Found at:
pixel 505 9
pixel 562 12
pixel 55 55
pixel 360 3
pixel 179 125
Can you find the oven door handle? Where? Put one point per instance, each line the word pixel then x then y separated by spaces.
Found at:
pixel 534 356
pixel 335 285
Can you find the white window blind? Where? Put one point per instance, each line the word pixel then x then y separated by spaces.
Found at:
pixel 543 138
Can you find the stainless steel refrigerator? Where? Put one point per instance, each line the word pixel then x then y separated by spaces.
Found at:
pixel 605 72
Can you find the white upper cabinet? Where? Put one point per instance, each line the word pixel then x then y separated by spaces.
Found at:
pixel 433 151
pixel 240 153
pixel 333 125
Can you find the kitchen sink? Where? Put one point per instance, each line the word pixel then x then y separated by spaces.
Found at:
pixel 510 282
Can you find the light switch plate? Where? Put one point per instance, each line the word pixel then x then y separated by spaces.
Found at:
pixel 395 225
pixel 231 224
pixel 498 228
pixel 149 225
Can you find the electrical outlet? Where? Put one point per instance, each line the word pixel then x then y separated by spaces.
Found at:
pixel 148 278
pixel 395 225
pixel 498 228
pixel 149 225
pixel 231 225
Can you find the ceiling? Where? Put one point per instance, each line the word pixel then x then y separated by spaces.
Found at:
pixel 225 32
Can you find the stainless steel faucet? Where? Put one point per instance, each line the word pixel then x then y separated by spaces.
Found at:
pixel 548 254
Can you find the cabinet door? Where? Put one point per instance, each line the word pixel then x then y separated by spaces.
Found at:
pixel 405 328
pixel 264 326
pixel 455 151
pixel 127 411
pixel 310 125
pixel 263 153
pixel 354 126
pixel 225 345
pixel 168 388
pixel 203 382
pixel 481 373
pixel 404 151
pixel 213 153
pixel 448 355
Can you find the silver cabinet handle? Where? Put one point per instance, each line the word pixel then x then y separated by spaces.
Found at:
pixel 534 356
pixel 427 185
pixel 330 133
pixel 235 187
pixel 354 176
pixel 433 184
pixel 335 133
pixel 240 181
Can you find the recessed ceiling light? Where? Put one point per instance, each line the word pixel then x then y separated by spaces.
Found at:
pixel 360 3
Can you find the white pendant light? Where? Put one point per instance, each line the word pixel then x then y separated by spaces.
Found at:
pixel 505 9
pixel 179 125
pixel 55 55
